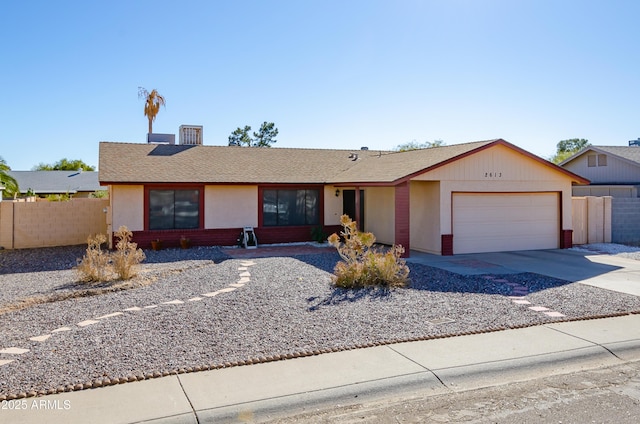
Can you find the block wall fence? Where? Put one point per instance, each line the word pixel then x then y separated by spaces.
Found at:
pixel 47 224
pixel 626 220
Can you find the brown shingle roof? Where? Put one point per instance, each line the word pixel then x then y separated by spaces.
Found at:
pixel 146 163
pixel 154 163
pixel 397 165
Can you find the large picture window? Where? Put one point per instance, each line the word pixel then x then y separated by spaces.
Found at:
pixel 174 209
pixel 291 207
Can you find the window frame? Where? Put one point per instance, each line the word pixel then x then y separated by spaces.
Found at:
pixel 592 161
pixel 174 187
pixel 602 159
pixel 320 204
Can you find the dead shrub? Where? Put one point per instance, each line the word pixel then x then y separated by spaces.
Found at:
pixel 94 265
pixel 127 254
pixel 362 265
pixel 98 265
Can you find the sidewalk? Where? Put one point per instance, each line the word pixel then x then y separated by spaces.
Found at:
pixel 257 392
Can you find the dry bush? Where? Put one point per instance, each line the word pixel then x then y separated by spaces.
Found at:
pixel 362 265
pixel 127 254
pixel 99 265
pixel 94 265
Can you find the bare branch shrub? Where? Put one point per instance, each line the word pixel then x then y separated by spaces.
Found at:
pixel 94 265
pixel 363 266
pixel 99 265
pixel 127 254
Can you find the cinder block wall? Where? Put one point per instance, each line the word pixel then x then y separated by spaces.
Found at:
pixel 625 217
pixel 45 224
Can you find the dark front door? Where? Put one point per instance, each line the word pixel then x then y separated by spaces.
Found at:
pixel 349 206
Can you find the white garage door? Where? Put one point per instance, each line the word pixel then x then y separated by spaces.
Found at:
pixel 499 222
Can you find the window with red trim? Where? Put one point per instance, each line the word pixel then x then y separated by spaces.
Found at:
pixel 286 207
pixel 174 209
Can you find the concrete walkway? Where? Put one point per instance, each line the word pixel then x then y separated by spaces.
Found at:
pixel 599 270
pixel 256 392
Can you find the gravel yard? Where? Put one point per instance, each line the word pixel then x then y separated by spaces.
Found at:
pixel 286 307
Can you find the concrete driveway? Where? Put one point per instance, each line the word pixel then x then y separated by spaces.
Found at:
pixel 599 270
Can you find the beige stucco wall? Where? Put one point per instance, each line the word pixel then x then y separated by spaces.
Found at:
pixel 230 206
pixel 379 213
pixel 46 224
pixel 498 169
pixel 425 219
pixel 127 206
pixel 332 205
pixel 6 224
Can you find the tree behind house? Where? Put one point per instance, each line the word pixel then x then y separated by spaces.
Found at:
pixel 263 138
pixel 266 135
pixel 10 184
pixel 65 164
pixel 567 148
pixel 152 102
pixel 414 145
pixel 240 137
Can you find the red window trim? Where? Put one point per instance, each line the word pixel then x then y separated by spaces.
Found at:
pixel 319 187
pixel 200 187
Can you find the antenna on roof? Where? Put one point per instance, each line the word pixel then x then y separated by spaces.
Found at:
pixel 634 142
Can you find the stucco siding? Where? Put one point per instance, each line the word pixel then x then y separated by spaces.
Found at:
pixel 425 218
pixel 380 213
pixel 497 164
pixel 332 205
pixel 127 207
pixel 230 206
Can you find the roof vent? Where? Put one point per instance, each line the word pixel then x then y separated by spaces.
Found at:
pixel 156 138
pixel 634 142
pixel 190 134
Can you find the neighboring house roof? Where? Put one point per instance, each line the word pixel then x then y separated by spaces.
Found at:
pixel 630 154
pixel 55 182
pixel 127 163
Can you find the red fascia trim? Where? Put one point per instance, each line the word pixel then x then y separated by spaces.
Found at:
pixel 379 184
pixel 179 186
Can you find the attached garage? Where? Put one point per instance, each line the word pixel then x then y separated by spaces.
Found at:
pixel 493 222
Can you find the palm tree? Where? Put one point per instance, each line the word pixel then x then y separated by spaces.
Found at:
pixel 10 184
pixel 153 101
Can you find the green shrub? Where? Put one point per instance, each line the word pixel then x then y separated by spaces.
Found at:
pixel 64 197
pixel 318 234
pixel 127 254
pixel 361 264
pixel 100 194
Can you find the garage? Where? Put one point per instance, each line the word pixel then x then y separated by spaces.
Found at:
pixel 494 222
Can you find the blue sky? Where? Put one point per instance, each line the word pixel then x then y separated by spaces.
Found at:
pixel 330 74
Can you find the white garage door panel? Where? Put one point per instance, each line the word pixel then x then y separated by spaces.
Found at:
pixel 503 222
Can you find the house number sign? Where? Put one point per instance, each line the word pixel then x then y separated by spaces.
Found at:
pixel 493 174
